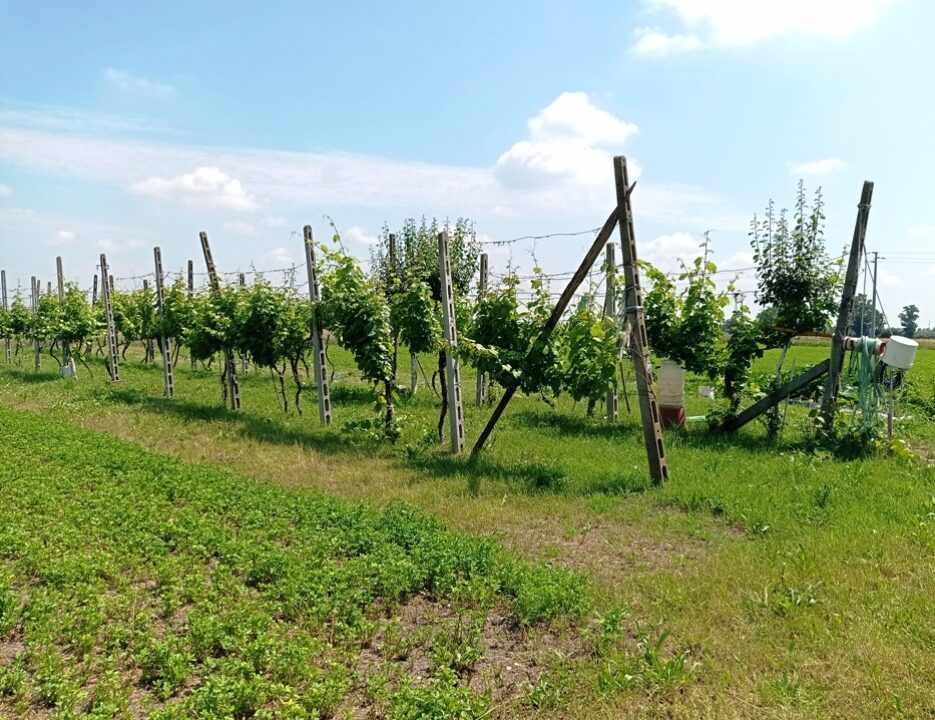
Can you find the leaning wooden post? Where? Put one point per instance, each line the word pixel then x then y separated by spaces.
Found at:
pixel 66 346
pixel 34 301
pixel 844 312
pixel 167 374
pixel 230 367
pixel 106 290
pixel 452 371
pixel 318 351
pixel 6 306
pixel 481 394
pixel 610 310
pixel 633 301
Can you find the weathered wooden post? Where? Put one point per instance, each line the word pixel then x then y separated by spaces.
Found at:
pixel 191 292
pixel 452 371
pixel 481 393
pixel 318 351
pixel 6 306
pixel 34 304
pixel 167 372
pixel 844 313
pixel 94 291
pixel 610 310
pixel 230 367
pixel 68 366
pixel 106 290
pixel 633 302
pixel 148 342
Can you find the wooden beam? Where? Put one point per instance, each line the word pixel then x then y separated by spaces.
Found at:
pixel 633 307
pixel 844 313
pixel 776 396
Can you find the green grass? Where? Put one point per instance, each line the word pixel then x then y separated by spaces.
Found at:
pixel 764 580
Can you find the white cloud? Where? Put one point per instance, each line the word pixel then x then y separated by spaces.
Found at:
pixel 818 167
pixel 336 180
pixel 106 244
pixel 357 236
pixel 274 221
pixel 240 227
pixel 739 23
pixel 206 188
pixel 62 237
pixel 128 82
pixel 890 280
pixel 654 43
pixel 665 251
pixel 5 190
pixel 277 258
pixel 566 144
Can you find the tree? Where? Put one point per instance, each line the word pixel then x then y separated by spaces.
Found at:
pixel 865 316
pixel 909 319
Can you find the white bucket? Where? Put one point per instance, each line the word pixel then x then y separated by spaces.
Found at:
pixel 671 385
pixel 706 391
pixel 900 352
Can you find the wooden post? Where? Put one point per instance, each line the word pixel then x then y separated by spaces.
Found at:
pixel 318 351
pixel 844 312
pixel 244 362
pixel 168 376
pixel 66 347
pixel 610 310
pixel 148 342
pixel 452 371
pixel 34 300
pixel 94 291
pixel 649 411
pixel 106 289
pixel 191 292
pixel 6 306
pixel 481 394
pixel 567 294
pixel 230 367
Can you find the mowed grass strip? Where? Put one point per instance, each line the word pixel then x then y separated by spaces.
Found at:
pixel 135 585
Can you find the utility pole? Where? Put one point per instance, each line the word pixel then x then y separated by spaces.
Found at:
pixel 873 315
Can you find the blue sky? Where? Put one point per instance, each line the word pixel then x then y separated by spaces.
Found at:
pixel 127 125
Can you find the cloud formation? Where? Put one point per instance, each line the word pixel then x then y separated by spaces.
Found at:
pixel 206 188
pixel 740 23
pixel 128 82
pixel 566 143
pixel 5 190
pixel 818 167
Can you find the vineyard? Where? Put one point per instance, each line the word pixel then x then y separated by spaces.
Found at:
pixel 248 496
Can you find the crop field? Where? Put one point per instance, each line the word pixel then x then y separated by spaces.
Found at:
pixel 170 558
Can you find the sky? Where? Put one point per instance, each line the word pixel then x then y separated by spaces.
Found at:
pixel 128 125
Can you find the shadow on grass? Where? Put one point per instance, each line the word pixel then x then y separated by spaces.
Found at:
pixel 32 377
pixel 526 476
pixel 256 428
pixel 573 425
pixel 702 439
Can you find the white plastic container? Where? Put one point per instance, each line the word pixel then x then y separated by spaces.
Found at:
pixel 671 385
pixel 706 391
pixel 900 352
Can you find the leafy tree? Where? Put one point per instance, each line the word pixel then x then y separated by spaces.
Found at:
pixel 795 276
pixel 591 342
pixel 865 316
pixel 909 320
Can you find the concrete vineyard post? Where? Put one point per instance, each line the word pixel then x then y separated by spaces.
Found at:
pixel 318 351
pixel 452 371
pixel 106 289
pixel 191 291
pixel 34 303
pixel 167 373
pixel 633 306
